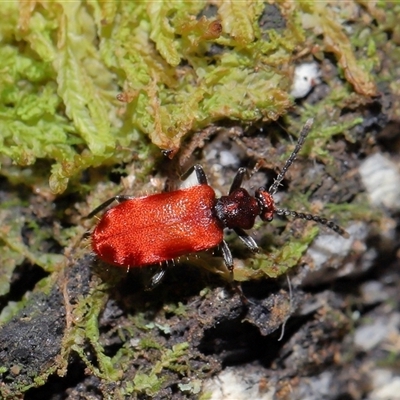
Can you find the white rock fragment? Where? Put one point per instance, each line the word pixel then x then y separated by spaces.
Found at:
pixel 227 158
pixel 233 384
pixel 306 76
pixel 373 292
pixel 381 178
pixel 331 245
pixel 331 256
pixel 387 385
pixel 367 337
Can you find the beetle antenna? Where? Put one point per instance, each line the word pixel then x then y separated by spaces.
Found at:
pixel 310 217
pixel 303 134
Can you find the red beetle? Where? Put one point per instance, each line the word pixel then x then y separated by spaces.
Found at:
pixel 147 230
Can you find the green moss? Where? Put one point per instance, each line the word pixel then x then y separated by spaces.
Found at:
pixel 177 309
pixel 149 384
pixel 278 260
pixel 179 74
pixel 85 329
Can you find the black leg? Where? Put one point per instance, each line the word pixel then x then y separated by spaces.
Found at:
pixel 228 259
pixel 101 207
pixel 226 252
pixel 238 179
pixel 200 174
pixel 157 277
pixel 247 239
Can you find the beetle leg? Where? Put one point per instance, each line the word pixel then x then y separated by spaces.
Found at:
pixel 237 180
pixel 157 277
pixel 101 207
pixel 227 255
pixel 226 252
pixel 247 239
pixel 200 174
